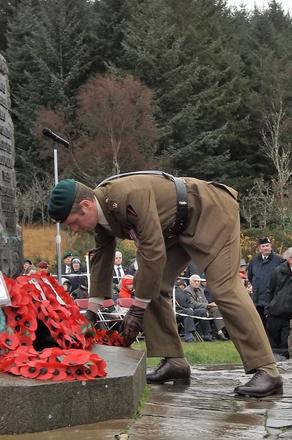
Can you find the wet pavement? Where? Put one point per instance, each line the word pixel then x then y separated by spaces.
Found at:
pixel 205 410
pixel 209 410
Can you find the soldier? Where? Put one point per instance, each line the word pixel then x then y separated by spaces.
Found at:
pixel 173 221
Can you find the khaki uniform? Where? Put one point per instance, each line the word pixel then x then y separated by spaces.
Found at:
pixel 142 207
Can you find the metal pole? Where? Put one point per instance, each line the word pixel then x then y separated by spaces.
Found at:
pixel 58 235
pixel 87 271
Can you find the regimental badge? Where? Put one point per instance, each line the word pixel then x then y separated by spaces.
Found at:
pixel 112 205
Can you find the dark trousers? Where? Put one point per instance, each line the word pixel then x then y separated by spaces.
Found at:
pixel 278 331
pixel 261 312
pixel 189 323
pixel 204 325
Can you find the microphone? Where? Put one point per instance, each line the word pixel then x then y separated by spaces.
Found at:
pixel 49 133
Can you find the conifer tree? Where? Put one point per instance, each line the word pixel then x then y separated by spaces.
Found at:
pixel 48 69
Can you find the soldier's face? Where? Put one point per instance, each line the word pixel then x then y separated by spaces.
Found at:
pixel 85 219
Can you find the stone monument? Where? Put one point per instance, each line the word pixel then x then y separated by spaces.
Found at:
pixel 10 237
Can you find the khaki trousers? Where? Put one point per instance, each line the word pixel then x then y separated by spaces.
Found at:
pixel 239 313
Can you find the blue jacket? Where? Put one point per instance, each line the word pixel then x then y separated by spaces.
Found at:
pixel 259 274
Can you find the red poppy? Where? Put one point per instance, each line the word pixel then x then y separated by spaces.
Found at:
pixel 80 373
pixel 26 341
pixel 14 369
pixel 30 370
pixel 76 357
pixel 9 340
pixel 58 372
pixel 45 370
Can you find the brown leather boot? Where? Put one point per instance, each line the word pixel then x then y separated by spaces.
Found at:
pixel 261 385
pixel 175 370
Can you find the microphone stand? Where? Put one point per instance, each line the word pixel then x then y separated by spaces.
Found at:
pixel 57 140
pixel 58 235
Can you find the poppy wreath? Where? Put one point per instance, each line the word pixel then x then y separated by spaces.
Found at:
pixel 38 299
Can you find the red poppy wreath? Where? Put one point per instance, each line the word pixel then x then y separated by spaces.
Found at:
pixel 45 336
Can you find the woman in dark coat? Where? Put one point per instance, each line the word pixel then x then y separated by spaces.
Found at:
pixel 279 308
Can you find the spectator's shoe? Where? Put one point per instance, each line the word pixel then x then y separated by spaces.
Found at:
pixel 261 385
pixel 189 337
pixel 175 370
pixel 207 338
pixel 221 337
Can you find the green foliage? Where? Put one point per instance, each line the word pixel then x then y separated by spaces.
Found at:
pixel 216 352
pixel 128 250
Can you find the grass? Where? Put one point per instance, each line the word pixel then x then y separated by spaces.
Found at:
pixel 216 352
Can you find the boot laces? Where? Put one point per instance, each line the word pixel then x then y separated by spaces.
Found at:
pixel 257 374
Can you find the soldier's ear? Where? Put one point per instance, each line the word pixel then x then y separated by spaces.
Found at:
pixel 86 203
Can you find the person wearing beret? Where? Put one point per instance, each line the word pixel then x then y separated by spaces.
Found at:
pixel 173 221
pixel 260 270
pixel 66 264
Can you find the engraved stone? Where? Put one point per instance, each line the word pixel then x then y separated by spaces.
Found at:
pixel 10 234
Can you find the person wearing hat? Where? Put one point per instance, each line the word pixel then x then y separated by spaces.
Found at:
pixel 42 266
pixel 66 283
pixel 173 221
pixel 26 267
pixel 66 265
pixel 259 274
pixel 76 275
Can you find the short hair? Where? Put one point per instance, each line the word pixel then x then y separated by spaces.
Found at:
pixel 288 253
pixel 83 192
pixel 195 277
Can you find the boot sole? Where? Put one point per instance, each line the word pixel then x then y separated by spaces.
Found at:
pixel 277 392
pixel 184 381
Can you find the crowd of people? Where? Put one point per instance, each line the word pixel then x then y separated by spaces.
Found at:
pixel 267 279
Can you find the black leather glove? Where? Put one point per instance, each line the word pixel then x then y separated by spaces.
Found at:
pixel 132 324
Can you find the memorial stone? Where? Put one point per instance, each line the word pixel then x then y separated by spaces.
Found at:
pixel 10 236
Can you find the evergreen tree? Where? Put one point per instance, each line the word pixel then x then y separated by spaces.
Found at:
pixel 265 47
pixel 48 69
pixel 6 10
pixel 110 21
pixel 188 55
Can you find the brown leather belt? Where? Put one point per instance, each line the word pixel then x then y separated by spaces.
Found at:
pixel 181 217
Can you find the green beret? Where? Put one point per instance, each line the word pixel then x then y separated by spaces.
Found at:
pixel 61 199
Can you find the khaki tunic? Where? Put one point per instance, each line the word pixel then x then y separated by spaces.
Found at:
pixel 142 207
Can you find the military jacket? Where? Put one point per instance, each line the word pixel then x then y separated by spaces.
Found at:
pixel 142 207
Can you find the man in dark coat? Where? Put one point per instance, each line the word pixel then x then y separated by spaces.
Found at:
pixel 173 221
pixel 185 307
pixel 259 274
pixel 279 305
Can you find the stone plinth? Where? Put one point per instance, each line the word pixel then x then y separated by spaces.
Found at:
pixel 33 405
pixel 10 234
